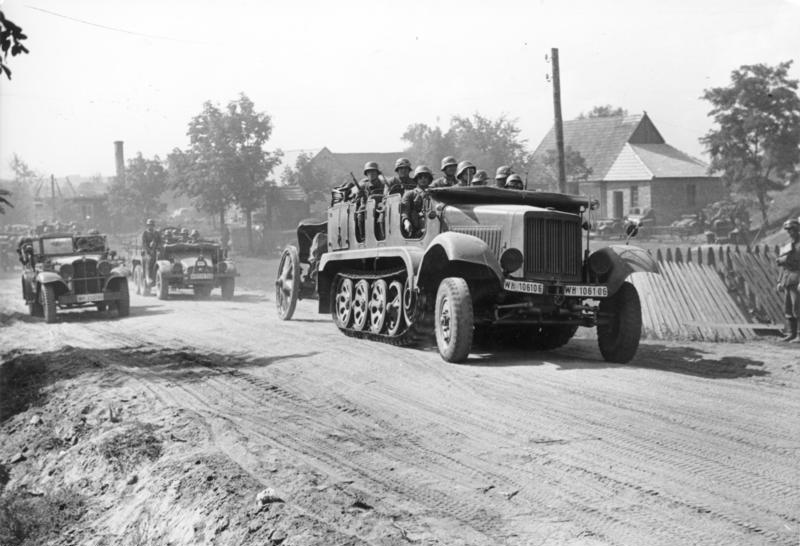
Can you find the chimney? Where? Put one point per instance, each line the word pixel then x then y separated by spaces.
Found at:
pixel 120 159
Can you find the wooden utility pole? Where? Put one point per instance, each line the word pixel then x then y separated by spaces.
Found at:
pixel 559 126
pixel 53 196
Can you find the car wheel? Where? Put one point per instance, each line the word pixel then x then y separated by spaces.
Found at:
pixel 454 319
pixel 619 338
pixel 49 303
pixel 287 284
pixel 124 302
pixel 137 280
pixel 227 287
pixel 162 286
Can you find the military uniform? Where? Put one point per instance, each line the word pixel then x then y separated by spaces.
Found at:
pixel 789 278
pixel 444 182
pixel 151 242
pixel 412 208
pixel 400 185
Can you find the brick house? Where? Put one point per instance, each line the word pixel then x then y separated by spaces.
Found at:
pixel 633 167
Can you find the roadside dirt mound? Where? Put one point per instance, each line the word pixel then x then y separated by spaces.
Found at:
pixel 89 458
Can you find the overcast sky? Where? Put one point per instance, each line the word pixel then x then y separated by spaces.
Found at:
pixel 353 75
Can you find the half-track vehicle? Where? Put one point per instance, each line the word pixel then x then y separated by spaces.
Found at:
pixel 65 271
pixel 182 263
pixel 488 260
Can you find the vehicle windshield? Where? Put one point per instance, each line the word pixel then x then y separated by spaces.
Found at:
pixel 57 245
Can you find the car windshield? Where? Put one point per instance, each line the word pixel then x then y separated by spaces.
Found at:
pixel 57 245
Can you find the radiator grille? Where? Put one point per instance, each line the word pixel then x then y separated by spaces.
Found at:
pixel 488 234
pixel 553 248
pixel 85 279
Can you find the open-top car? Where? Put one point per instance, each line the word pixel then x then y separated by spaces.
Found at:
pixel 487 260
pixel 182 263
pixel 63 271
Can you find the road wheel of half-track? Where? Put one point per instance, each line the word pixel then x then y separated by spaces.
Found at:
pixel 377 305
pixel 342 308
pixel 394 308
pixel 619 339
pixel 124 301
pixel 453 319
pixel 49 302
pixel 162 286
pixel 360 304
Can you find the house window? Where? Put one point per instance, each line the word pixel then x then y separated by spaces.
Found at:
pixel 691 195
pixel 634 196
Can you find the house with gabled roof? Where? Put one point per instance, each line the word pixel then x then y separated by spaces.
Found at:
pixel 340 165
pixel 632 167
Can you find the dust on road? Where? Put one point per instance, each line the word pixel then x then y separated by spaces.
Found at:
pixel 166 425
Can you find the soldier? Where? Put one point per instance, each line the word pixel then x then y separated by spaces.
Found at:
pixel 151 242
pixel 481 178
pixel 194 236
pixel 370 185
pixel 402 181
pixel 225 237
pixel 514 182
pixel 464 173
pixel 412 207
pixel 789 277
pixel 502 175
pixel 449 167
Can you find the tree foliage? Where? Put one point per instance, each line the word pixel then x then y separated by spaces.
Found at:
pixel 544 172
pixel 11 37
pixel 225 162
pixel 487 143
pixel 312 177
pixel 755 143
pixel 21 188
pixel 137 196
pixel 604 111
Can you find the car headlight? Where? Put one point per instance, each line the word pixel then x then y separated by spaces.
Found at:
pixel 511 260
pixel 66 271
pixel 599 263
pixel 104 268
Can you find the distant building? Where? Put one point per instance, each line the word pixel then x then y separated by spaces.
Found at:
pixel 634 168
pixel 341 165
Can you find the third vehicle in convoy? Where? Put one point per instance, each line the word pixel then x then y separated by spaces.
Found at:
pixel 486 259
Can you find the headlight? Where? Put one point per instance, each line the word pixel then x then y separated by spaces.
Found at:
pixel 177 268
pixel 104 268
pixel 511 260
pixel 222 267
pixel 599 263
pixel 66 271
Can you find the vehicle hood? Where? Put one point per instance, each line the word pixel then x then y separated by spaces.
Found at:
pixel 61 260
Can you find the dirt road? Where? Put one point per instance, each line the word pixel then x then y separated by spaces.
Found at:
pixel 373 444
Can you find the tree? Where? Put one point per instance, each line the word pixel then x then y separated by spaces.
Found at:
pixel 11 37
pixel 21 189
pixel 428 145
pixel 3 201
pixel 604 111
pixel 755 144
pixel 137 196
pixel 544 173
pixel 225 163
pixel 313 178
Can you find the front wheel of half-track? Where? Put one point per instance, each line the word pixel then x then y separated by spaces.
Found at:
pixel 454 319
pixel 619 338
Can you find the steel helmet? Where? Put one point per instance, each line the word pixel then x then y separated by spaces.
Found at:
pixel 422 169
pixel 447 161
pixel 480 178
pixel 194 233
pixel 514 182
pixel 463 166
pixel 791 224
pixel 150 222
pixel 502 172
pixel 402 162
pixel 371 166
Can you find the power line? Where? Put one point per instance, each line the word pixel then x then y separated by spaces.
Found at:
pixel 115 29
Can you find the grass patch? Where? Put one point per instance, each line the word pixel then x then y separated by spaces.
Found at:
pixel 131 445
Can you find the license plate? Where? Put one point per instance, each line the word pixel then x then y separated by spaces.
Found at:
pixel 586 291
pixel 202 276
pixel 82 298
pixel 523 286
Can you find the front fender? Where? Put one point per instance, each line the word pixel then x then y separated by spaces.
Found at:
pixel 450 252
pixel 625 259
pixel 165 266
pixel 116 273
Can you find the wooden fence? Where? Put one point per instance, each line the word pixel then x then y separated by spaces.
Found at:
pixel 711 293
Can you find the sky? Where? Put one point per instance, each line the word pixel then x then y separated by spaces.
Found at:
pixel 352 75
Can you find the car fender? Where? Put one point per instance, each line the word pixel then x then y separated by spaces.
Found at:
pixel 119 272
pixel 625 259
pixel 48 277
pixel 165 266
pixel 451 248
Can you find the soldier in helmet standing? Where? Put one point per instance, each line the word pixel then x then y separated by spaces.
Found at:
pixel 464 173
pixel 402 180
pixel 789 278
pixel 151 242
pixel 514 182
pixel 370 185
pixel 412 207
pixel 449 167
pixel 502 175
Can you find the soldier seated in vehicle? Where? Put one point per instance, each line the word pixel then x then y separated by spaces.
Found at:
pixel 514 182
pixel 503 172
pixel 370 187
pixel 464 173
pixel 449 167
pixel 194 236
pixel 412 207
pixel 481 178
pixel 402 181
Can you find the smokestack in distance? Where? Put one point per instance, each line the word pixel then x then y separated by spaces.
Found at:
pixel 120 159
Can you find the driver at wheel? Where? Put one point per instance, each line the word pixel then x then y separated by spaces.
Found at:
pixel 151 243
